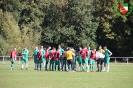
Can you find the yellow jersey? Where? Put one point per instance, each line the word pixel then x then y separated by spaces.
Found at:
pixel 101 51
pixel 69 55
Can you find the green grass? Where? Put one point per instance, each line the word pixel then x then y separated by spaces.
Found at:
pixel 120 76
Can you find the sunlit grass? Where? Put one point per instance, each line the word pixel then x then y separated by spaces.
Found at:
pixel 120 76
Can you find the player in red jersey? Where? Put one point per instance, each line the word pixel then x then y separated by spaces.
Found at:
pixel 39 59
pixel 47 57
pixel 84 55
pixel 57 58
pixel 64 61
pixel 92 60
pixel 52 58
pixel 12 58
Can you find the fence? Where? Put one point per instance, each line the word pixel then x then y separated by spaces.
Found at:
pixel 17 58
pixel 20 57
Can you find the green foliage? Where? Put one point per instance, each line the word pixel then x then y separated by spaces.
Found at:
pixel 114 31
pixel 69 25
pixel 67 22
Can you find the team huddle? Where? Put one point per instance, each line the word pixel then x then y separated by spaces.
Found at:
pixel 66 60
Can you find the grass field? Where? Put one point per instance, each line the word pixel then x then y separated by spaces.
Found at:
pixel 120 76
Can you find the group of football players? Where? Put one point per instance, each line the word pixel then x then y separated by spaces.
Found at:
pixel 66 60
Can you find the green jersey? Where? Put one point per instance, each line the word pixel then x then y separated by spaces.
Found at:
pixel 89 53
pixel 43 53
pixel 107 53
pixel 25 53
pixel 61 51
pixel 35 52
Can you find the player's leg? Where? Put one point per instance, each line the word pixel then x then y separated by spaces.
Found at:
pixel 55 65
pixel 63 64
pixel 40 62
pixel 98 64
pixel 108 61
pixel 37 64
pixel 83 62
pixel 74 63
pixel 93 62
pixel 58 62
pixel 52 65
pixel 86 62
pixel 43 63
pixel 12 64
pixel 26 62
pixel 105 61
pixel 23 60
pixel 91 68
pixel 68 64
pixel 35 61
pixel 80 63
pixel 101 63
pixel 47 60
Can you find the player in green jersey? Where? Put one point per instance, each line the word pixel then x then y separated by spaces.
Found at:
pixel 107 54
pixel 35 57
pixel 25 53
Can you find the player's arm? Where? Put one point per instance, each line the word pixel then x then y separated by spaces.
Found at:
pixel 15 56
pixel 73 54
pixel 103 51
pixel 110 53
pixel 87 53
pixel 80 52
pixel 27 52
pixel 23 53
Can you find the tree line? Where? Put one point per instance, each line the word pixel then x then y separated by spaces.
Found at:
pixel 66 22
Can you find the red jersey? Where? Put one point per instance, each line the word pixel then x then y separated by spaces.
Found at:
pixel 39 55
pixel 57 55
pixel 52 55
pixel 13 54
pixel 47 54
pixel 93 55
pixel 84 53
pixel 64 56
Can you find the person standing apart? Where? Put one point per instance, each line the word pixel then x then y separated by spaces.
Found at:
pixel 107 54
pixel 25 53
pixel 12 58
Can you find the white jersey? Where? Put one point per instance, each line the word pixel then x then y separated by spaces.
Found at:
pixel 99 55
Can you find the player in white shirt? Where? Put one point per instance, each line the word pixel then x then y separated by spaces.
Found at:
pixel 100 60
